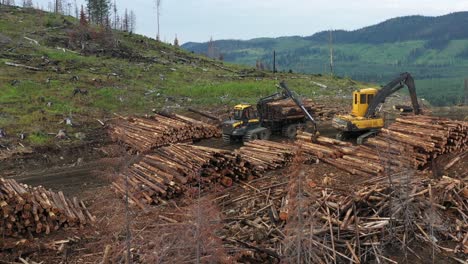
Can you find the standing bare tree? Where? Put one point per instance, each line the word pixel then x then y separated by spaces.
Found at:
pixel 125 21
pixel 57 6
pixel 176 41
pixel 27 3
pixel 158 14
pixel 9 2
pixel 212 51
pixel 116 16
pixel 132 22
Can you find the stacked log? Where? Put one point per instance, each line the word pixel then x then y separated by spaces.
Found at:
pixel 28 210
pixel 174 170
pixel 410 142
pixel 267 155
pixel 347 227
pixel 144 134
pixel 287 109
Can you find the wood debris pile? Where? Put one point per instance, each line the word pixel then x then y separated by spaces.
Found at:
pixel 356 227
pixel 144 134
pixel 28 210
pixel 287 109
pixel 410 142
pixel 173 170
pixel 252 223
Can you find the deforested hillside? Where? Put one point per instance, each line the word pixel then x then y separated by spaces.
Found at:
pixel 52 67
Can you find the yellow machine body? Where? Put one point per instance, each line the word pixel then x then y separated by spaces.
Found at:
pixel 241 106
pixel 357 121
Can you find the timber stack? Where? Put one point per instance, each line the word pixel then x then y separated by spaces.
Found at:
pixel 267 155
pixel 177 169
pixel 146 133
pixel 424 136
pixel 287 109
pixel 28 210
pixel 411 142
pixel 349 226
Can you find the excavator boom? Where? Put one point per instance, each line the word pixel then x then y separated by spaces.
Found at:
pixel 392 87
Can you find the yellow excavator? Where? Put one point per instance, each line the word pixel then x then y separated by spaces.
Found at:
pixel 363 120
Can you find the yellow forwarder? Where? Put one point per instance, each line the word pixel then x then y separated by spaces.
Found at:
pixel 249 123
pixel 363 120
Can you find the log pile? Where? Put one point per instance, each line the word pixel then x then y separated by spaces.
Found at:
pixel 28 210
pixel 287 109
pixel 428 136
pixel 268 155
pixel 357 226
pixel 176 169
pixel 144 134
pixel 410 142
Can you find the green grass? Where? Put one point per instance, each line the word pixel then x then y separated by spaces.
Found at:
pixel 39 139
pixel 379 63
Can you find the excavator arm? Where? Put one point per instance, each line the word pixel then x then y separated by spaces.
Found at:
pixel 298 102
pixel 392 87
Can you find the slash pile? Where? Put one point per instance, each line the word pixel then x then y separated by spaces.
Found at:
pixel 251 217
pixel 356 227
pixel 173 170
pixel 144 134
pixel 26 209
pixel 410 142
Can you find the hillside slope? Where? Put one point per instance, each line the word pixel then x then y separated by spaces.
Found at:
pixel 433 49
pixel 122 73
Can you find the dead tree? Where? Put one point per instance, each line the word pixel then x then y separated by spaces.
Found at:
pixel 132 22
pixel 158 14
pixel 176 41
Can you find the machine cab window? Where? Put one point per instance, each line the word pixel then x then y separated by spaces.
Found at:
pixel 238 114
pixel 250 113
pixel 245 113
pixel 363 98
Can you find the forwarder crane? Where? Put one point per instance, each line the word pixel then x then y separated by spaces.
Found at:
pixel 363 120
pixel 249 123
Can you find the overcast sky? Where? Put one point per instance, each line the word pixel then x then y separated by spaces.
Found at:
pixel 198 20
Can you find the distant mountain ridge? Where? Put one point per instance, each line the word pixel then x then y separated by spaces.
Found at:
pixel 446 27
pixel 433 49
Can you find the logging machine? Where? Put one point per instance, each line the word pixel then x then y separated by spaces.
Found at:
pixel 363 120
pixel 249 124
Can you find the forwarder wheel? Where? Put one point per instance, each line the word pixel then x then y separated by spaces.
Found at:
pixel 250 137
pixel 227 138
pixel 290 131
pixel 265 135
pixel 343 136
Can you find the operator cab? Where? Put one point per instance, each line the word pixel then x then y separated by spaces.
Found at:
pixel 361 100
pixel 245 113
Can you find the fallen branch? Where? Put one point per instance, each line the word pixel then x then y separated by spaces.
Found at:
pixel 22 66
pixel 33 41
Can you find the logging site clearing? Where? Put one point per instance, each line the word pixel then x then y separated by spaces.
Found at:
pixel 137 151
